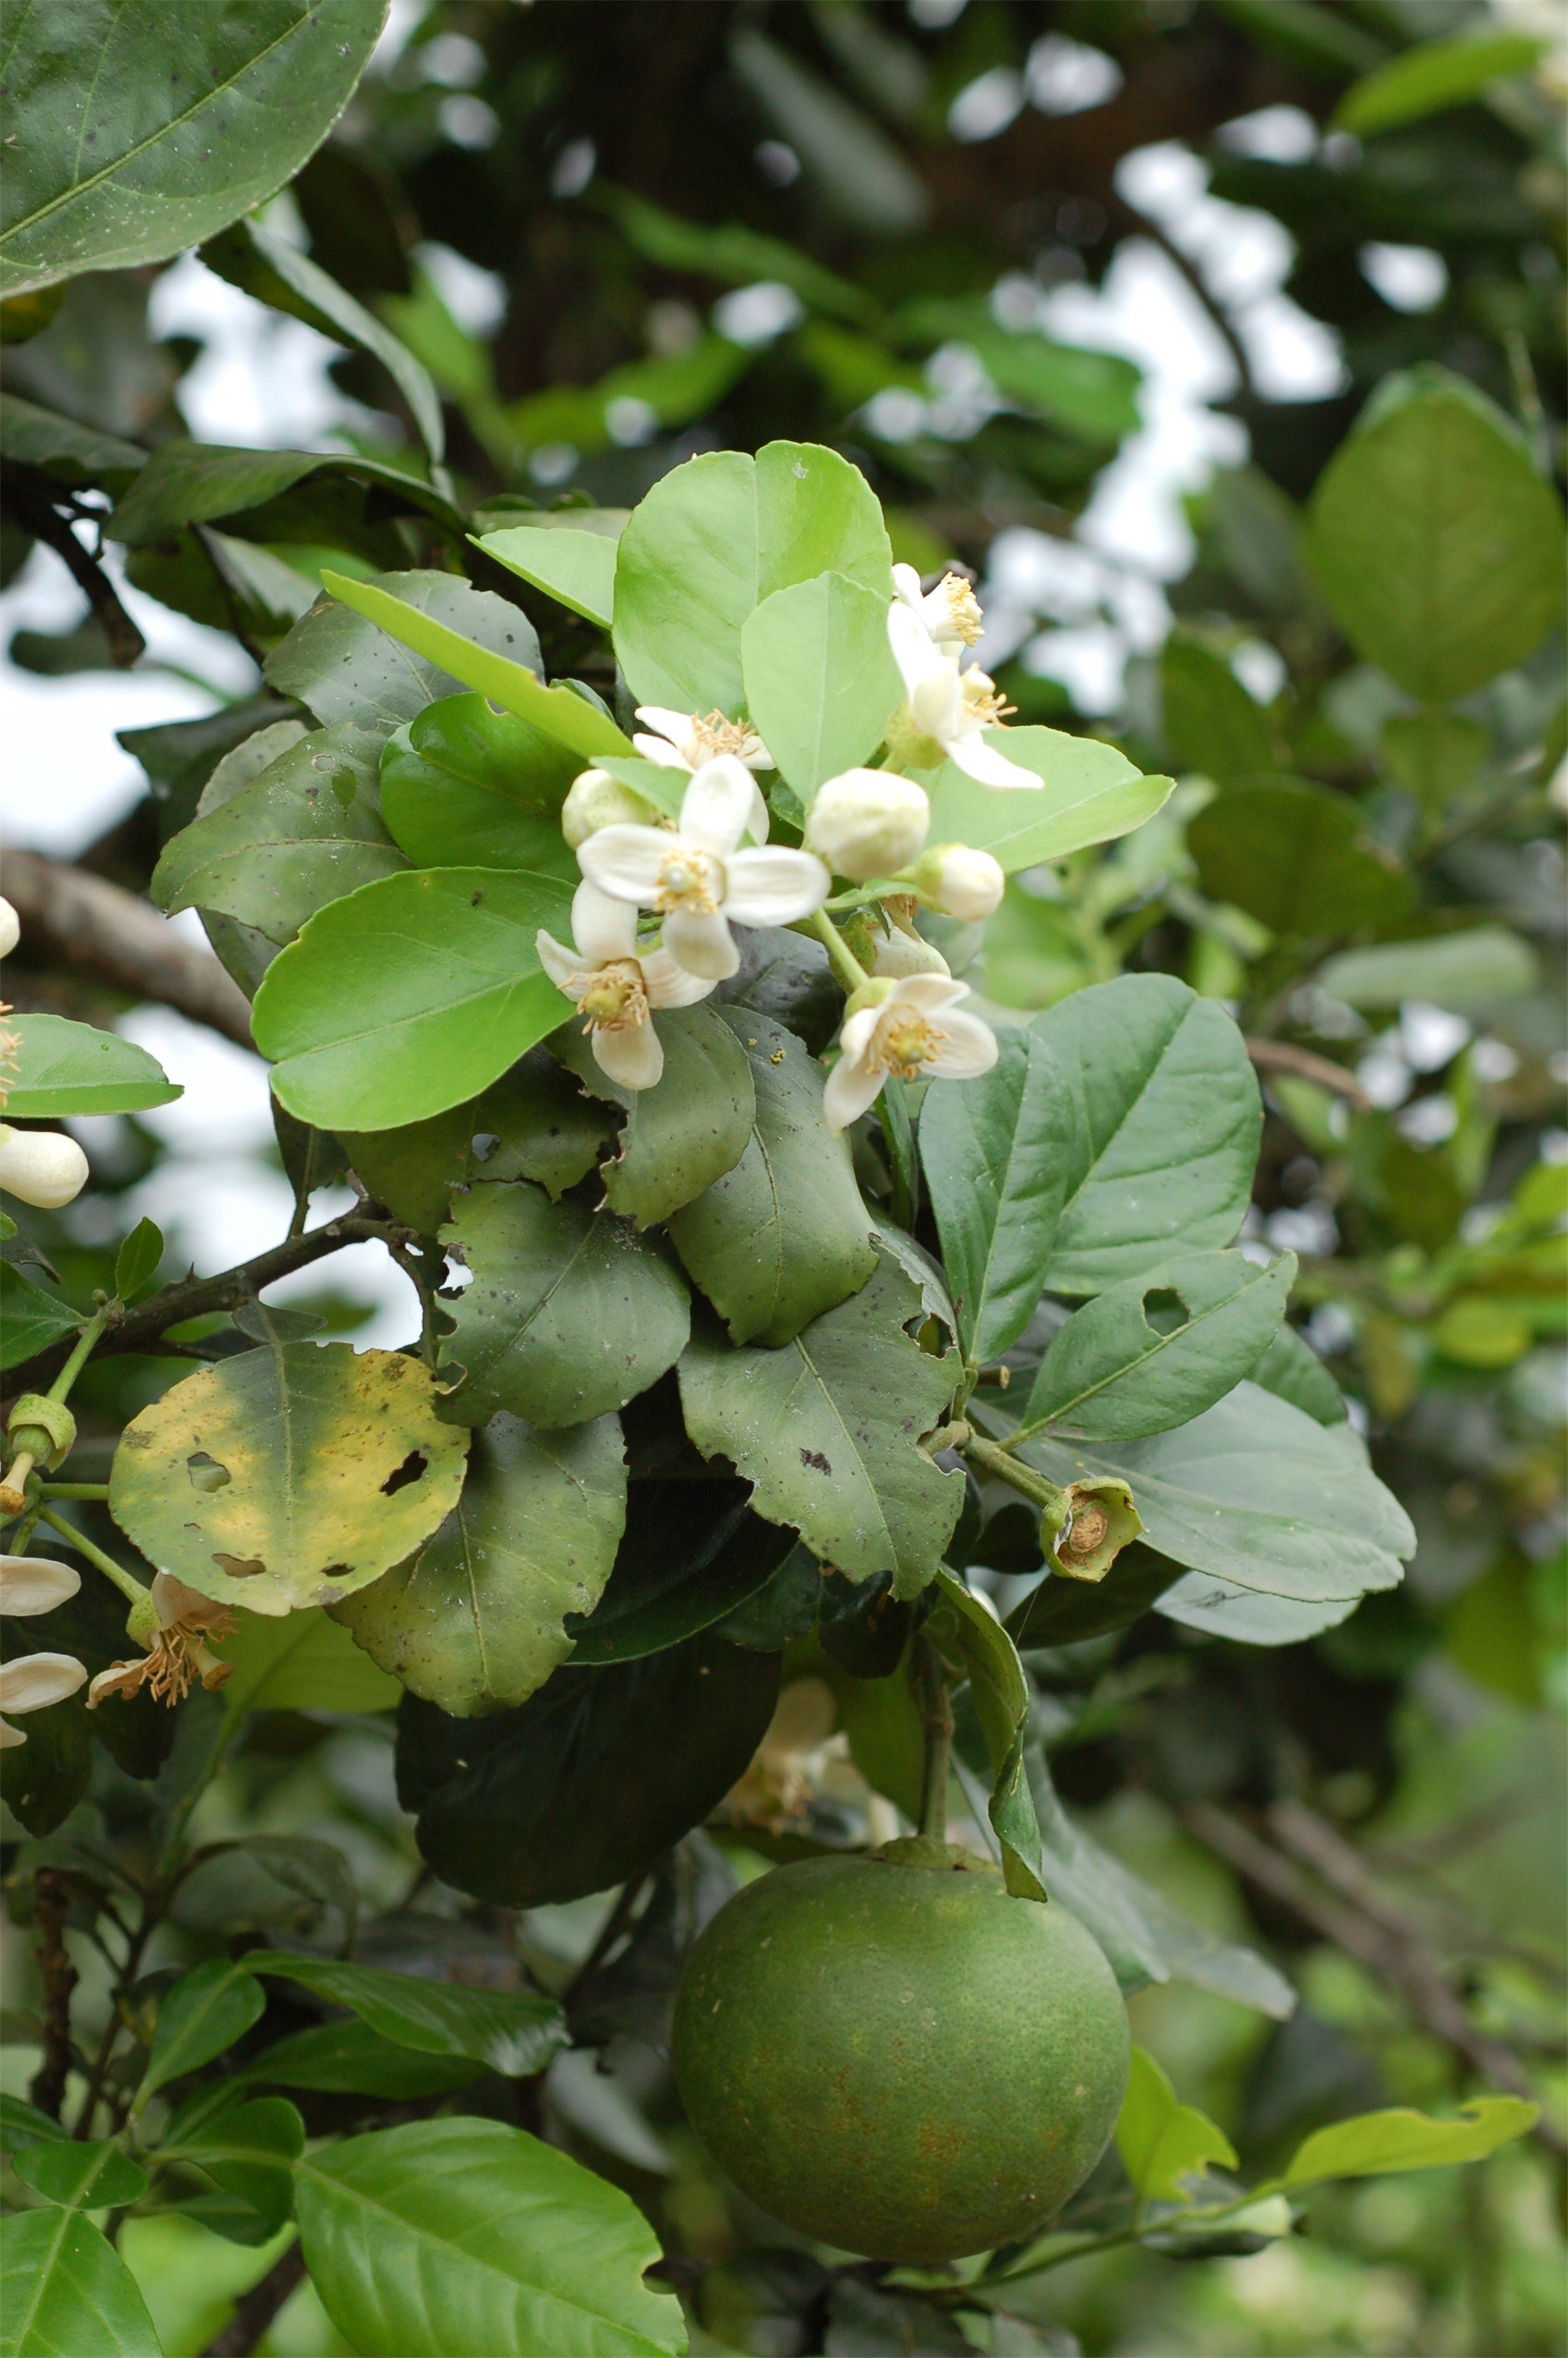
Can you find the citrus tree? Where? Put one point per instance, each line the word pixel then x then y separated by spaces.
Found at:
pixel 828 1195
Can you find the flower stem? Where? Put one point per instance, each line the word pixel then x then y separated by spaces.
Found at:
pixel 60 1388
pixel 96 1491
pixel 130 1588
pixel 846 965
pixel 990 1457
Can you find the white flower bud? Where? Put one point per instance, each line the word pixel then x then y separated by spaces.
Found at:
pixel 961 882
pixel 868 823
pixel 902 953
pixel 41 1167
pixel 596 800
pixel 10 929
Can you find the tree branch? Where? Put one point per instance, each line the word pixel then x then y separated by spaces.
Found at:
pixel 93 923
pixel 255 2310
pixel 1280 1056
pixel 36 513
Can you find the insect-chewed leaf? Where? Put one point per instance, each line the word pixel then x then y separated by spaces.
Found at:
pixel 287 1476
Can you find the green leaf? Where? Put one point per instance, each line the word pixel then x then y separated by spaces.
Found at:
pixel 576 568
pixel 349 2058
pixel 733 255
pixel 186 483
pixel 1468 971
pixel 1001 1694
pixel 691 1553
pixel 22 2123
pixel 689 1129
pixel 1211 723
pixel 1257 1493
pixel 995 1151
pixel 476 1619
pixel 558 711
pixel 289 1475
pixel 1086 393
pixel 249 2148
pixel 1435 754
pixel 410 996
pixel 828 1429
pixel 465 2234
pixel 30 1319
pixel 511 2031
pixel 591 1780
pixel 1064 1612
pixel 1432 75
pixel 1246 1616
pixel 569 1313
pixel 1373 2144
pixel 1291 1368
pixel 535 1123
pixel 144 140
pixel 464 783
pixel 62 448
pixel 1297 857
pixel 1161 2143
pixel 1165 1125
pixel 820 676
pixel 277 273
pixel 304 833
pixel 716 537
pixel 301 1662
pixel 1091 793
pixel 136 1262
pixel 783 1235
pixel 346 668
pixel 1157 1350
pixel 65 1068
pixel 204 2013
pixel 1438 547
pixel 64 2288
pixel 81 2177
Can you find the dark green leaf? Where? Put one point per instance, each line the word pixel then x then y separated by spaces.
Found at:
pixel 204 2013
pixel 136 1262
pixel 1219 1608
pixel 187 483
pixel 249 2148
pixel 1001 1695
pixel 1211 723
pixel 1064 1612
pixel 30 1319
pixel 349 2058
pixel 345 668
pixel 591 1780
pixel 63 2287
pixel 535 1123
pixel 514 2032
pixel 65 450
pixel 81 2177
pixel 65 1068
pixel 463 783
pixel 1291 1368
pixel 692 1552
pixel 287 1885
pixel 685 1134
pixel 1297 858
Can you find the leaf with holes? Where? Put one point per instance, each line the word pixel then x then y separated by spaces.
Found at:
pixel 476 1619
pixel 569 1313
pixel 289 1475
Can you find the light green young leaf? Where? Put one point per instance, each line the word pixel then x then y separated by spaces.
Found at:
pixel 995 1152
pixel 62 1068
pixel 136 1262
pixel 411 995
pixel 687 1131
pixel 476 1620
pixel 783 1234
pixel 1373 2144
pixel 462 782
pixel 203 2013
pixel 466 2234
pixel 64 2288
pixel 1432 75
pixel 570 1314
pixel 146 135
pixel 557 711
pixel 1161 2143
pixel 961 1625
pixel 828 1429
pixel 1157 1350
pixel 576 568
pixel 820 677
pixel 514 2032
pixel 716 537
pixel 1090 792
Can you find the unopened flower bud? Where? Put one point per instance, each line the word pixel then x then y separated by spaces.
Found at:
pixel 41 1167
pixel 868 823
pixel 10 929
pixel 900 954
pixel 596 800
pixel 960 882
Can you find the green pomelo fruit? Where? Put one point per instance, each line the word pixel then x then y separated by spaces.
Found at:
pixel 901 2060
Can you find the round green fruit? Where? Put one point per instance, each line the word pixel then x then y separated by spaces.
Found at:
pixel 901 2060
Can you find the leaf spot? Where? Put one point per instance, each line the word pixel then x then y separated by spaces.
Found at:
pixel 816 1460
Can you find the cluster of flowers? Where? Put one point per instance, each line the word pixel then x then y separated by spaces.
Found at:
pixel 172 1624
pixel 42 1167
pixel 716 868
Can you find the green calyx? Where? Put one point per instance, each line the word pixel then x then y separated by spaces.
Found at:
pixel 43 1428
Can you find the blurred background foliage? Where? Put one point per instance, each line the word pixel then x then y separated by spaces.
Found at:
pixel 944 238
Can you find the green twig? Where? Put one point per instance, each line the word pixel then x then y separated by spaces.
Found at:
pixel 95 1491
pixel 130 1588
pixel 846 965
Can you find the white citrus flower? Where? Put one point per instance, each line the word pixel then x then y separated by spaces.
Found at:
pixel 950 614
pixel 954 708
pixel 31 1682
pixel 868 823
pixel 916 1033
pixel 35 1584
pixel 595 800
pixel 698 878
pixel 685 741
pixel 962 883
pixel 901 954
pixel 10 929
pixel 173 1625
pixel 41 1167
pixel 616 986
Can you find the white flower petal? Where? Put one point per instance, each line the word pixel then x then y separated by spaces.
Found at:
pixel 668 984
pixel 937 704
pixel 851 1089
pixel 907 582
pixel 561 965
pixel 928 993
pixel 702 943
pixel 969 1048
pixel 32 1682
pixel 760 821
pixel 630 1054
pixel 913 651
pixel 984 761
pixel 10 1735
pixel 626 861
pixel 860 1030
pixel 759 757
pixel 603 929
pixel 659 750
pixel 716 807
pixel 776 886
pixel 675 728
pixel 35 1584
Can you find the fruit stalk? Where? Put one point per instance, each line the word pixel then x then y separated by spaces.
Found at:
pixel 930 1683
